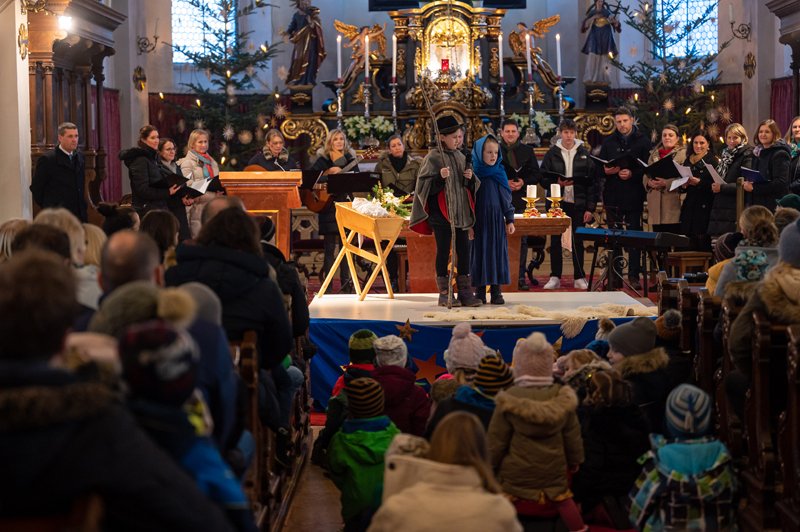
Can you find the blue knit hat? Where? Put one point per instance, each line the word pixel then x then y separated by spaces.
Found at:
pixel 688 412
pixel 789 245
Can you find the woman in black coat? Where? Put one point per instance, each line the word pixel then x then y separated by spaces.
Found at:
pixel 148 184
pixel 274 157
pixel 772 158
pixel 736 155
pixel 793 139
pixel 696 208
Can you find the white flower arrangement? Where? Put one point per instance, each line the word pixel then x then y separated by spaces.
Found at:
pixel 382 128
pixel 541 121
pixel 356 127
pixel 393 204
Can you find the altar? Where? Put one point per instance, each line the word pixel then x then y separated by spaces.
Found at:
pixel 422 251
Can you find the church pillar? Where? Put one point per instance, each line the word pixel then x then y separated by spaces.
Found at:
pixel 788 11
pixel 15 136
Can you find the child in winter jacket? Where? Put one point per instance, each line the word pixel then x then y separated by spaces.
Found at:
pixel 356 453
pixel 534 436
pixel 362 355
pixel 686 483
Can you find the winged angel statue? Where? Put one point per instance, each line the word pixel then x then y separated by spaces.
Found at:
pixel 356 37
pixel 516 40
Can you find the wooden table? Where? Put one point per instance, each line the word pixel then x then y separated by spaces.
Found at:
pixel 422 251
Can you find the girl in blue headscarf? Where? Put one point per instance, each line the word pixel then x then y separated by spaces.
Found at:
pixel 494 216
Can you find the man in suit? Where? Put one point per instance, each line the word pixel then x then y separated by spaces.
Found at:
pixel 522 169
pixel 59 177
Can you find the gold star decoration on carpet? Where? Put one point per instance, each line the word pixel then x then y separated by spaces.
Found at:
pixel 405 331
pixel 428 369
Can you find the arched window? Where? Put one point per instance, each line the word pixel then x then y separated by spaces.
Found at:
pixel 704 39
pixel 191 27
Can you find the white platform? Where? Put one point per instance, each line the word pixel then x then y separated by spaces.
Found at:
pixel 378 307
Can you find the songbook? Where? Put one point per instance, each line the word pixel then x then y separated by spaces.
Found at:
pixel 196 189
pixel 754 176
pixel 624 161
pixel 685 174
pixel 554 176
pixel 664 168
pixel 714 174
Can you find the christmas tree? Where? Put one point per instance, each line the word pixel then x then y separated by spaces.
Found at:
pixel 230 61
pixel 676 84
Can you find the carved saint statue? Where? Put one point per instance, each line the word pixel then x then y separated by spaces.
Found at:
pixel 356 38
pixel 601 24
pixel 516 41
pixel 305 32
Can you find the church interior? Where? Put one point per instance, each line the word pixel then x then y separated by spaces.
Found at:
pixel 400 265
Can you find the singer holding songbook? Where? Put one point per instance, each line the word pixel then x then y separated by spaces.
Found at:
pixel 274 157
pixel 696 208
pixel 771 158
pixel 736 155
pixel 176 203
pixel 663 204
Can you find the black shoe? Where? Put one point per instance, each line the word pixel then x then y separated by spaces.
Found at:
pixel 522 286
pixel 635 284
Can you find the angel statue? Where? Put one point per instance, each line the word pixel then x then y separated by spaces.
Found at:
pixel 601 24
pixel 356 38
pixel 516 41
pixel 305 32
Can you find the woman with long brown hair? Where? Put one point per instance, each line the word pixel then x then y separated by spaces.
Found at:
pixel 148 187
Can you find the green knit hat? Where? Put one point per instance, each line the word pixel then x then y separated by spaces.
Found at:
pixel 361 346
pixel 493 375
pixel 364 397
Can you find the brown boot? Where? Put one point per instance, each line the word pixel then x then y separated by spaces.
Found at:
pixel 466 294
pixel 441 284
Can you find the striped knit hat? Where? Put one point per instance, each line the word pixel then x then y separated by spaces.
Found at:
pixel 493 375
pixel 688 411
pixel 364 398
pixel 361 348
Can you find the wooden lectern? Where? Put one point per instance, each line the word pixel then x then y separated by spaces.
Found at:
pixel 272 194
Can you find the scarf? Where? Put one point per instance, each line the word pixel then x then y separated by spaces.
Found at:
pixel 795 149
pixel 206 162
pixel 728 155
pixel 398 163
pixel 663 152
pixel 495 172
pixel 282 158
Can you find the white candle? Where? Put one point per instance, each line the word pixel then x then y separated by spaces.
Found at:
pixel 531 191
pixel 528 53
pixel 339 57
pixel 558 53
pixel 366 58
pixel 155 30
pixel 555 190
pixel 500 48
pixel 730 11
pixel 394 58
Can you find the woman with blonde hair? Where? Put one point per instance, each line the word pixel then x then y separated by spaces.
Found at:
pixel 736 155
pixel 274 157
pixel 772 157
pixel 8 231
pixel 453 489
pixel 792 138
pixel 198 166
pixel 663 204
pixel 95 239
pixel 335 154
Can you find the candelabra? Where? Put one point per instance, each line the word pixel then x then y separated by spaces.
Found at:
pixel 502 86
pixel 555 210
pixel 393 85
pixel 560 95
pixel 366 98
pixel 531 137
pixel 530 211
pixel 339 104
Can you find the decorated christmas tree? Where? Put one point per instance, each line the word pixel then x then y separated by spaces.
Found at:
pixel 230 61
pixel 675 82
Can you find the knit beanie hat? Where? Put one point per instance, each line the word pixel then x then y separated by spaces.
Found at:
pixel 493 375
pixel 361 346
pixel 364 397
pixel 668 325
pixel 789 245
pixel 633 338
pixel 688 411
pixel 533 359
pixel 209 307
pixel 725 245
pixel 790 200
pixel 141 301
pixel 466 349
pixel 390 351
pixel 159 362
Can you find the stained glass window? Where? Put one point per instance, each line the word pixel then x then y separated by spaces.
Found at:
pixel 704 39
pixel 188 29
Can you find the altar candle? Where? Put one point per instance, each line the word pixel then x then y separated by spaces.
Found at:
pixel 555 190
pixel 500 48
pixel 394 58
pixel 339 57
pixel 730 11
pixel 558 53
pixel 531 191
pixel 528 54
pixel 366 58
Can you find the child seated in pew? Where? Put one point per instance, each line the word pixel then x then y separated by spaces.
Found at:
pixel 760 237
pixel 687 480
pixel 724 251
pixel 356 453
pixel 362 355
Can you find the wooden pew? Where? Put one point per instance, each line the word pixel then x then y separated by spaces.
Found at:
pixel 761 477
pixel 668 293
pixel 789 440
pixel 729 427
pixel 688 302
pixel 709 312
pixel 85 515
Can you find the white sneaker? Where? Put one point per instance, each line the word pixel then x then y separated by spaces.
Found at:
pixel 553 283
pixel 581 284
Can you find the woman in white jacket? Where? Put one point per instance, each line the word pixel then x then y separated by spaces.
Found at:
pixel 454 489
pixel 199 166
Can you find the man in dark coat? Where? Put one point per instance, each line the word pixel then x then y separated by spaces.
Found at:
pixel 623 193
pixel 522 170
pixel 63 437
pixel 59 177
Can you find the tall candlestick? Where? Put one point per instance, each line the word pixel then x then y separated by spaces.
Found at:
pixel 394 58
pixel 730 11
pixel 366 58
pixel 558 53
pixel 555 190
pixel 528 53
pixel 500 48
pixel 339 57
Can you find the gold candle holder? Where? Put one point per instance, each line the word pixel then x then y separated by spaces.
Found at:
pixel 530 211
pixel 555 208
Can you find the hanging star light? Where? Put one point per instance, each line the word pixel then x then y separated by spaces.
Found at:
pixel 662 77
pixel 669 105
pixel 283 73
pixel 712 115
pixel 726 115
pixel 713 131
pixel 281 111
pixel 228 132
